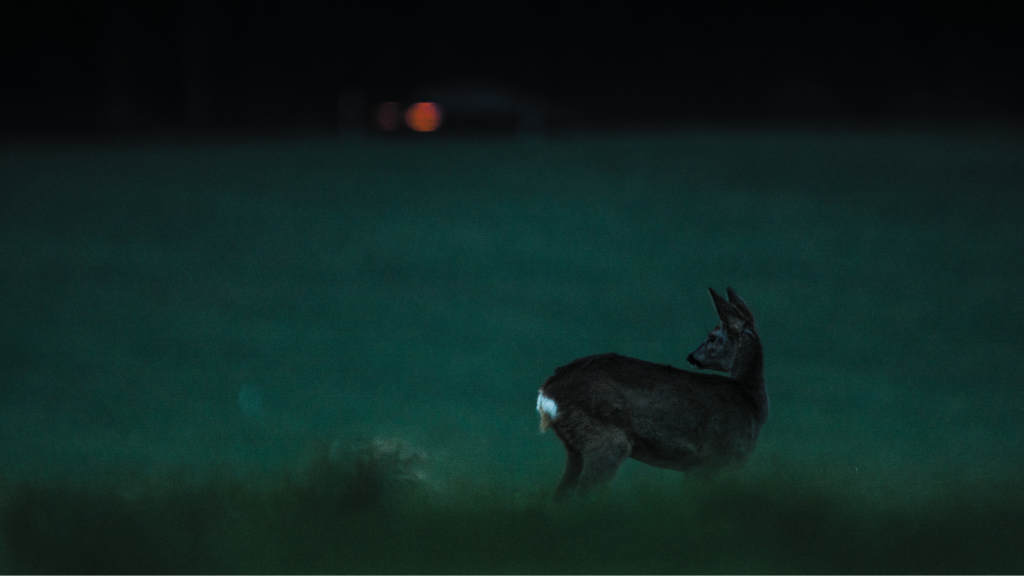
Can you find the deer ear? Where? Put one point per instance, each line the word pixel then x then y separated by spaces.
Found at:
pixel 728 313
pixel 739 304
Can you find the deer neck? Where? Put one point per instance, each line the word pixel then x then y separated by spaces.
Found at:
pixel 748 366
pixel 749 369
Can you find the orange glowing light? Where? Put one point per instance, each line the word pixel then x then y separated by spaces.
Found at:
pixel 388 116
pixel 424 116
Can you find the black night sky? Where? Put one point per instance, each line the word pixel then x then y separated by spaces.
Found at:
pixel 180 66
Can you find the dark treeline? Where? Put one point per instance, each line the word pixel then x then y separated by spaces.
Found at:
pixel 224 66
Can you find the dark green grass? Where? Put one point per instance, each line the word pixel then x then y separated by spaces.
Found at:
pixel 215 310
pixel 328 520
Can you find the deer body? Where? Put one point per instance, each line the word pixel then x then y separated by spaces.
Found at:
pixel 608 407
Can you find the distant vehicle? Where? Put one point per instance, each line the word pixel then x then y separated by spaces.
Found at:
pixel 467 107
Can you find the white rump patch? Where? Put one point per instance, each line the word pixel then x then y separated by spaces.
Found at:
pixel 547 405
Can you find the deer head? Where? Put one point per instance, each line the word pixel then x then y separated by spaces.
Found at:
pixel 731 343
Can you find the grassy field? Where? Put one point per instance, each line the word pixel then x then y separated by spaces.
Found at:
pixel 187 329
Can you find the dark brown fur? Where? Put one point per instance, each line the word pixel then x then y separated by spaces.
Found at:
pixel 612 407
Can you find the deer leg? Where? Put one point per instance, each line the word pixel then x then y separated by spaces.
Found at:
pixel 571 476
pixel 594 452
pixel 602 458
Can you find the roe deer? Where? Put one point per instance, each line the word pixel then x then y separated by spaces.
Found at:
pixel 608 407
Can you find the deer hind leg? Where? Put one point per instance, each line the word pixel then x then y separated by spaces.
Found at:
pixel 602 458
pixel 594 452
pixel 571 476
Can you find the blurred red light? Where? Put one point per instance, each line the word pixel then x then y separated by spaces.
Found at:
pixel 424 117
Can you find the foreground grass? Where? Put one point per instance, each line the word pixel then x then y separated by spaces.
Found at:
pixel 348 517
